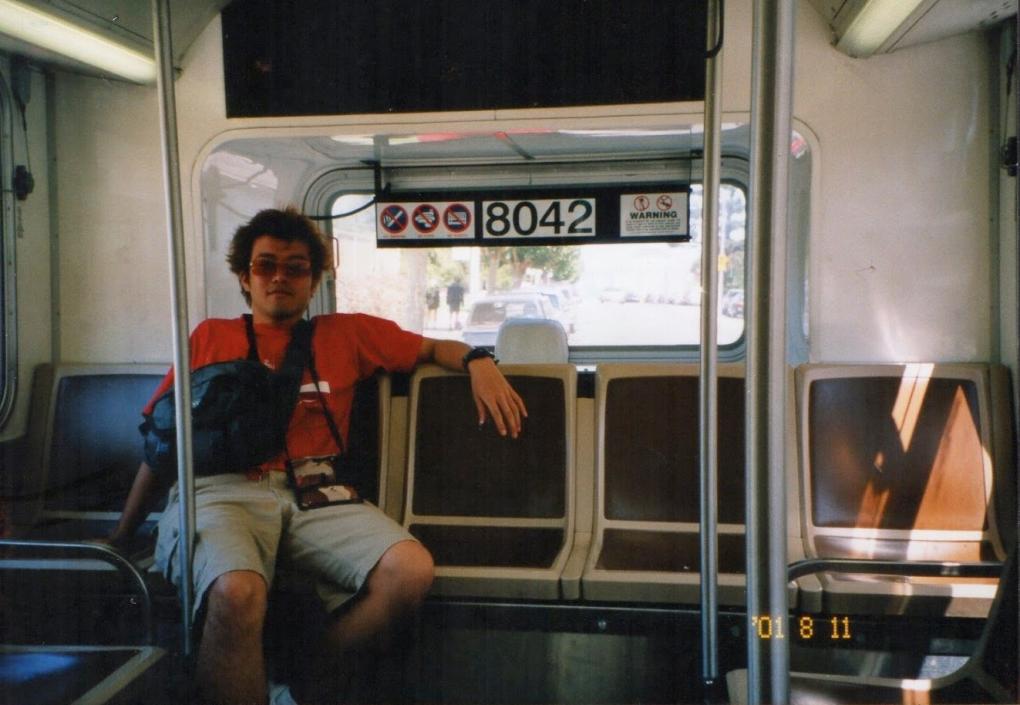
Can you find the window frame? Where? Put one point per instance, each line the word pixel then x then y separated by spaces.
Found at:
pixel 8 258
pixel 332 184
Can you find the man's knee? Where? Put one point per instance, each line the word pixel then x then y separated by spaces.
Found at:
pixel 239 599
pixel 405 571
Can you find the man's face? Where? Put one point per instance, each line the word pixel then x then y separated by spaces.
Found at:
pixel 279 279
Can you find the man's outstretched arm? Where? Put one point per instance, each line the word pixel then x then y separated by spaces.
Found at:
pixel 145 492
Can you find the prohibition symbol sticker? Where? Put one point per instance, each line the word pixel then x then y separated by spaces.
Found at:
pixel 393 219
pixel 664 202
pixel 425 218
pixel 641 203
pixel 457 218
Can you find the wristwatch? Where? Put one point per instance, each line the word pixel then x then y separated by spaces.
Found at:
pixel 474 354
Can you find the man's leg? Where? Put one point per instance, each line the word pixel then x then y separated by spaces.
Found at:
pixel 231 667
pixel 238 528
pixel 394 589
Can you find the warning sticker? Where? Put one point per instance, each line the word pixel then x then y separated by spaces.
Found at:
pixel 436 220
pixel 653 214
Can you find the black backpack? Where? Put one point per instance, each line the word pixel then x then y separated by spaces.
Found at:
pixel 240 411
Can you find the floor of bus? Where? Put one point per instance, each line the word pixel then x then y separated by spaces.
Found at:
pixel 500 652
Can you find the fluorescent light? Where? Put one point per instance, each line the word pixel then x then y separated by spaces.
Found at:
pixel 53 33
pixel 874 24
pixel 624 133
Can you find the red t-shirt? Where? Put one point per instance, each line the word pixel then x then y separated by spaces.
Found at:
pixel 346 348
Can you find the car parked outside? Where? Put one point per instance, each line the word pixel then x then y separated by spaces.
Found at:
pixel 733 303
pixel 488 313
pixel 563 309
pixel 690 296
pixel 611 294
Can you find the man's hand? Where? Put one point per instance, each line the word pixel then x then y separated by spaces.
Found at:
pixel 495 397
pixel 145 491
pixel 115 540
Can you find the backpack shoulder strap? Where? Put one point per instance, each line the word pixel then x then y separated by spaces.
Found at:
pixel 298 356
pixel 249 329
pixel 287 379
pixel 334 431
pixel 299 350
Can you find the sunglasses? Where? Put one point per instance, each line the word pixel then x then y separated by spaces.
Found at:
pixel 268 268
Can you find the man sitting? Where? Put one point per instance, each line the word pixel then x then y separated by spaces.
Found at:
pixel 245 521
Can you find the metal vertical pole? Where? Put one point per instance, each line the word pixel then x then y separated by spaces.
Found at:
pixel 708 380
pixel 178 296
pixel 771 125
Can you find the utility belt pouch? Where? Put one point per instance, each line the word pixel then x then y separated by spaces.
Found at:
pixel 239 411
pixel 320 482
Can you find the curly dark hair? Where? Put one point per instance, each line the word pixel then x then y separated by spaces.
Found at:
pixel 287 224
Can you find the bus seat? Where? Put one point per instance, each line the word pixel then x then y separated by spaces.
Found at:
pixel 60 674
pixel 497 514
pixel 83 449
pixel 988 674
pixel 531 340
pixel 39 663
pixel 646 535
pixel 906 462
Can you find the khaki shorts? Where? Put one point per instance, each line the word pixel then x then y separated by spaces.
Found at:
pixel 244 524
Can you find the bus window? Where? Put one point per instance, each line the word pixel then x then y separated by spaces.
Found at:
pixel 607 296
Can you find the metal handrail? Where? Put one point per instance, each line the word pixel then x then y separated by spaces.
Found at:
pixel 924 569
pixel 1006 590
pixel 105 553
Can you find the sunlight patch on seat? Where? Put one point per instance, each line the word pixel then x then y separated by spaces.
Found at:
pixel 910 399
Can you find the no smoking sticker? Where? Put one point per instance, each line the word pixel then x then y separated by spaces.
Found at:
pixel 393 219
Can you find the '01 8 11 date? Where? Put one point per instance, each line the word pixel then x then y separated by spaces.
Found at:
pixel 804 627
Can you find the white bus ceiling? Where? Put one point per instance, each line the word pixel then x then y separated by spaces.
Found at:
pixel 903 254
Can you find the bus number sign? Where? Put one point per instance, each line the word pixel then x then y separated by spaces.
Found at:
pixel 557 217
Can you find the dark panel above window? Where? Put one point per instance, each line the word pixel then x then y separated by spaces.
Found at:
pixel 321 57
